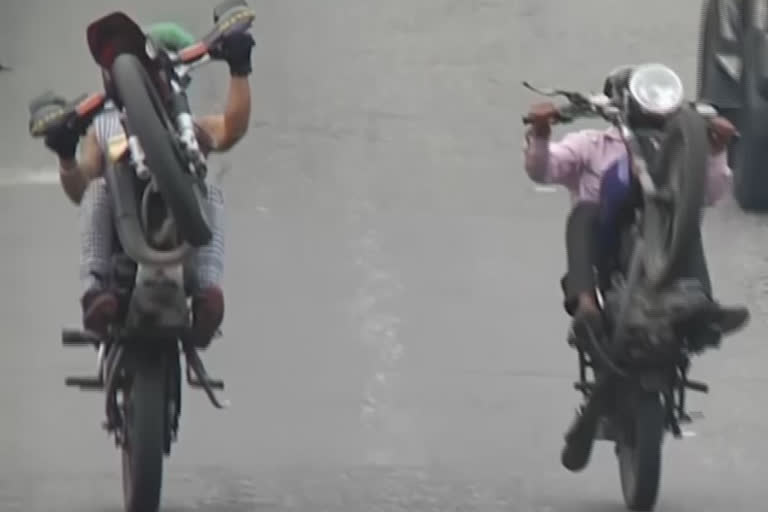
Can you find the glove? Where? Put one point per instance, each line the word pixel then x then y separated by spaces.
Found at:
pixel 236 50
pixel 63 141
pixel 541 116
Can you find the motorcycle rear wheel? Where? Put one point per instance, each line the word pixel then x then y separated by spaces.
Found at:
pixel 145 435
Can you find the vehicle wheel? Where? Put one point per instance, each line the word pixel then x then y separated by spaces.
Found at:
pixel 706 58
pixel 145 436
pixel 639 452
pixel 148 120
pixel 750 180
pixel 671 222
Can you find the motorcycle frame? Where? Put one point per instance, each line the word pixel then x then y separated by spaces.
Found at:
pixel 671 379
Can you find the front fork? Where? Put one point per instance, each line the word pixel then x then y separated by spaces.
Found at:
pixel 186 129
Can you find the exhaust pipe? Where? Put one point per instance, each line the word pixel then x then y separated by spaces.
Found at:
pixel 123 196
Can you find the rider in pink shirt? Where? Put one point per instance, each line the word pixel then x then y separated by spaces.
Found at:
pixel 579 162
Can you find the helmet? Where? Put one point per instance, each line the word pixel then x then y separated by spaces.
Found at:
pixel 648 92
pixel 167 35
pixel 170 36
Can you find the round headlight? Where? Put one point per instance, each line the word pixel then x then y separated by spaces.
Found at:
pixel 656 88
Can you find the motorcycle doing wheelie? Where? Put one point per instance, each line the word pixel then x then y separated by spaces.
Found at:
pixel 639 369
pixel 155 173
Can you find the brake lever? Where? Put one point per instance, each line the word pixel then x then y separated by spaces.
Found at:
pixel 573 97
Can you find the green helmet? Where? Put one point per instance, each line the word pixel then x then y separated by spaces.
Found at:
pixel 170 35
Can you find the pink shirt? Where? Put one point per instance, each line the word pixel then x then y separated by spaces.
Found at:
pixel 579 160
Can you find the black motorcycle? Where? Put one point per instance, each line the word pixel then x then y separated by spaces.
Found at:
pixel 638 374
pixel 155 174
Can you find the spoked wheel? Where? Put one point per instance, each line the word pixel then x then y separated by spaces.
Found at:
pixel 145 436
pixel 671 220
pixel 639 452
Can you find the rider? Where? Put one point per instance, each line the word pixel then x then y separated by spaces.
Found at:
pixel 578 162
pixel 83 182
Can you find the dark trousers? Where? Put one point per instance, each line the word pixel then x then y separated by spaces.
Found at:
pixel 586 261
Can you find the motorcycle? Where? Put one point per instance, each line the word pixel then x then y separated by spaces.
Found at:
pixel 634 380
pixel 155 174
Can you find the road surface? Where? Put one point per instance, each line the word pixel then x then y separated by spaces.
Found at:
pixel 394 337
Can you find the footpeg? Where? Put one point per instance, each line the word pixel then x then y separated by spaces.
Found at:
pixel 85 383
pixel 78 338
pixel 195 382
pixel 696 386
pixel 198 377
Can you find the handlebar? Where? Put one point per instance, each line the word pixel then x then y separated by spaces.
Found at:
pixel 238 18
pixel 49 111
pixel 578 106
pixel 565 114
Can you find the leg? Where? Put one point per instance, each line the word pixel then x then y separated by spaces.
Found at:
pixel 723 319
pixel 208 268
pixel 96 235
pixel 579 283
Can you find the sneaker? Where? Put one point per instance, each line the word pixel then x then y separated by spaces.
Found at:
pixel 717 322
pixel 99 311
pixel 730 318
pixel 207 316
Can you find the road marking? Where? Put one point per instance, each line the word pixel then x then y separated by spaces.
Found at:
pixel 545 189
pixel 27 177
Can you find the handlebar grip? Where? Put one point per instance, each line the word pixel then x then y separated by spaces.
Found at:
pixel 562 116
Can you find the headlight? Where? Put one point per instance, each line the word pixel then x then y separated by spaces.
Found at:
pixel 656 88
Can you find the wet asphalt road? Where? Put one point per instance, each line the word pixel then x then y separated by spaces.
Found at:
pixel 394 337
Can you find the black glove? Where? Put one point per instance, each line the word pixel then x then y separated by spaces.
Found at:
pixel 236 50
pixel 63 141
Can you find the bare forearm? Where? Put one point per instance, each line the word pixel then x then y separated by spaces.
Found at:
pixel 237 114
pixel 72 179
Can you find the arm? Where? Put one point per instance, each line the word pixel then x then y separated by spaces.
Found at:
pixel 719 177
pixel 75 174
pixel 225 130
pixel 559 162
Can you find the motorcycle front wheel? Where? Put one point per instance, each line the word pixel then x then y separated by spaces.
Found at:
pixel 638 450
pixel 148 120
pixel 672 219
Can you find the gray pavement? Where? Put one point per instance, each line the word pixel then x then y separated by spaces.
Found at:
pixel 394 337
